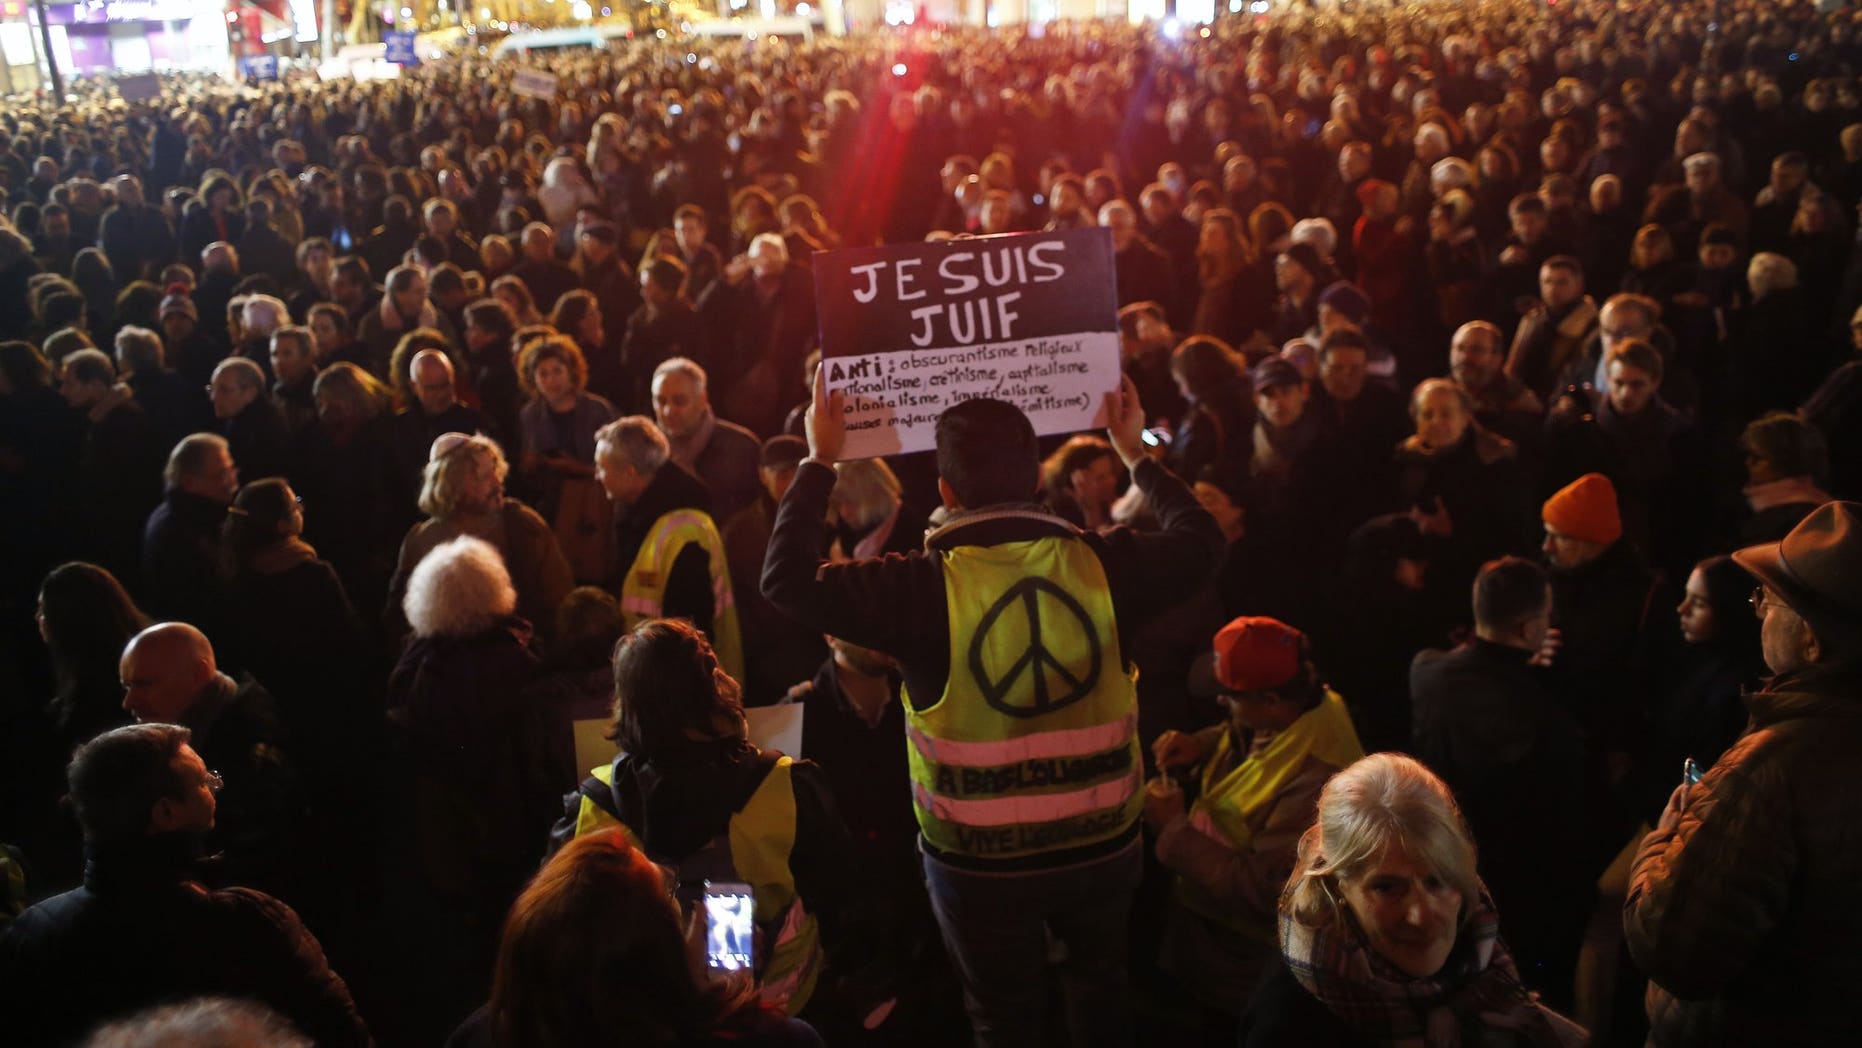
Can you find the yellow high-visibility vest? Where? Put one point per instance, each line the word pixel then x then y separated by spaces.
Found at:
pixel 1033 747
pixel 1233 791
pixel 762 835
pixel 643 591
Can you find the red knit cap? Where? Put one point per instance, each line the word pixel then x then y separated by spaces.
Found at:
pixel 1256 654
pixel 1585 509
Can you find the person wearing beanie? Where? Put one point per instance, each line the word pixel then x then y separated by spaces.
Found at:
pixel 1299 273
pixel 1259 773
pixel 1341 301
pixel 185 347
pixel 1603 601
pixel 1581 522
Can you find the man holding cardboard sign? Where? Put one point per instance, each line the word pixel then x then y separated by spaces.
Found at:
pixel 1010 630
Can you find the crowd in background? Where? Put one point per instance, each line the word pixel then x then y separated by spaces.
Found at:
pixel 379 390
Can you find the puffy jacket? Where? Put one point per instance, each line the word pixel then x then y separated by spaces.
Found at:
pixel 1745 914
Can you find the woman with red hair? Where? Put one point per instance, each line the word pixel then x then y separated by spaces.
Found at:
pixel 597 951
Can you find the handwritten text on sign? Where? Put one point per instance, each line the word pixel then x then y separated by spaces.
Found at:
pixel 911 329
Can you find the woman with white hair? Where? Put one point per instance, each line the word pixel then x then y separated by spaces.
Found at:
pixel 463 495
pixel 479 769
pixel 1387 934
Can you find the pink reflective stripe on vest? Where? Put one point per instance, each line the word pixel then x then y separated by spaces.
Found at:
pixel 1027 808
pixel 670 523
pixel 1047 745
pixel 646 607
pixel 778 991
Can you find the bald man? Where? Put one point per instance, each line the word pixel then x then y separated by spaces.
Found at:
pixel 170 676
pixel 433 409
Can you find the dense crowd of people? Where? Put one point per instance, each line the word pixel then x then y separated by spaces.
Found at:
pixel 421 516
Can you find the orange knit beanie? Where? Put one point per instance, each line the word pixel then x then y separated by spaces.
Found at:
pixel 1585 509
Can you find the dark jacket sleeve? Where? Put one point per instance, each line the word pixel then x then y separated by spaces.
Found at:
pixel 893 604
pixel 1151 572
pixel 822 844
pixel 289 972
pixel 1705 896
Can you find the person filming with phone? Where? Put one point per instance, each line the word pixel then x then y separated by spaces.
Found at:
pixel 600 949
pixel 695 794
pixel 1742 906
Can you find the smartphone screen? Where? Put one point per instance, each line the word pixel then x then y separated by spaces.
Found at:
pixel 730 932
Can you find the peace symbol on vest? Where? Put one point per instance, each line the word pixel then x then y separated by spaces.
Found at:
pixel 1051 684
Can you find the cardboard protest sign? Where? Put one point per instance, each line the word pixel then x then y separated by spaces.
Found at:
pixel 907 330
pixel 400 49
pixel 534 83
pixel 776 727
pixel 138 87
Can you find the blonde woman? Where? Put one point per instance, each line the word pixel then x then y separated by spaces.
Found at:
pixel 1387 934
pixel 463 494
pixel 872 516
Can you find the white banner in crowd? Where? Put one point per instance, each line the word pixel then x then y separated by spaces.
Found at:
pixel 534 83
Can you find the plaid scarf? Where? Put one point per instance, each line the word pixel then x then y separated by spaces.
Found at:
pixel 1476 999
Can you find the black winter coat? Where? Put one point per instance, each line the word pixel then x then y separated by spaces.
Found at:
pixel 181 572
pixel 1283 1014
pixel 143 931
pixel 1488 723
pixel 1480 483
pixel 481 772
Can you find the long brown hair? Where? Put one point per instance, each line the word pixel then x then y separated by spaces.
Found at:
pixel 1214 266
pixel 669 691
pixel 593 953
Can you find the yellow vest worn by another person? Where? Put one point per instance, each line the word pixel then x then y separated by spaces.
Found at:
pixel 643 591
pixel 1233 793
pixel 762 834
pixel 1033 747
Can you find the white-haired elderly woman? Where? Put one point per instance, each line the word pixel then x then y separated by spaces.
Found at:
pixel 463 494
pixel 478 768
pixel 1770 350
pixel 1387 934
